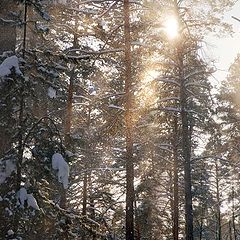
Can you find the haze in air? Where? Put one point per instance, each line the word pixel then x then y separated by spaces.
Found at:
pixel 119 120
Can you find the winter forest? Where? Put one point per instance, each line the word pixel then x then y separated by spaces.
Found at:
pixel 111 126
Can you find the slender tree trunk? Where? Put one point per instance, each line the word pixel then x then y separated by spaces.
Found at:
pixel 201 228
pixel 186 133
pixel 87 176
pixel 7 28
pixel 203 208
pixel 175 183
pixel 92 205
pixel 230 230
pixel 84 200
pixel 7 43
pixel 84 203
pixel 21 124
pixel 138 229
pixel 68 120
pixel 129 127
pixel 67 131
pixel 233 214
pixel 219 227
pixel 186 153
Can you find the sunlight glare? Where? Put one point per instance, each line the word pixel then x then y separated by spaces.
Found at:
pixel 150 75
pixel 171 27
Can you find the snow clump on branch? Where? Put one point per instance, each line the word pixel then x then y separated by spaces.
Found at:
pixel 8 64
pixel 59 164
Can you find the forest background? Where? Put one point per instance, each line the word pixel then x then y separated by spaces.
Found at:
pixel 114 123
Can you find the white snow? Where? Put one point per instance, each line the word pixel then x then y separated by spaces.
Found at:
pixel 10 167
pixel 8 211
pixel 6 170
pixel 10 232
pixel 32 202
pixel 62 1
pixel 69 153
pixel 59 164
pixel 116 107
pixel 92 90
pixel 24 196
pixel 52 93
pixel 8 64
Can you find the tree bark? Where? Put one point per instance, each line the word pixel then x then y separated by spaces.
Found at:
pixel 186 132
pixel 233 214
pixel 219 227
pixel 8 27
pixel 68 121
pixel 186 151
pixel 7 43
pixel 129 127
pixel 175 183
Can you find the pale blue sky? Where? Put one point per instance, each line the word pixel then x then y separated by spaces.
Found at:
pixel 224 50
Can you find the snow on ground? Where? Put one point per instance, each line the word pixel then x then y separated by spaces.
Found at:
pixel 8 64
pixel 59 164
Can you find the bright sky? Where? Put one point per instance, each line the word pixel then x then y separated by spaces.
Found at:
pixel 224 50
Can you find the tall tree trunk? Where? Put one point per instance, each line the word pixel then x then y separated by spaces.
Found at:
pixel 186 153
pixel 233 214
pixel 21 124
pixel 230 230
pixel 68 120
pixel 186 133
pixel 84 201
pixel 8 27
pixel 87 175
pixel 175 183
pixel 92 205
pixel 201 229
pixel 7 43
pixel 138 228
pixel 219 227
pixel 67 131
pixel 129 127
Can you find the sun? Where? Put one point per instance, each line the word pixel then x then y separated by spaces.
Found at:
pixel 171 27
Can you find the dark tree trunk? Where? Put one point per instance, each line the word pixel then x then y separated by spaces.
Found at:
pixel 84 200
pixel 187 166
pixel 67 131
pixel 92 206
pixel 8 27
pixel 137 225
pixel 186 134
pixel 68 121
pixel 230 230
pixel 175 183
pixel 233 214
pixel 7 43
pixel 186 151
pixel 129 127
pixel 219 227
